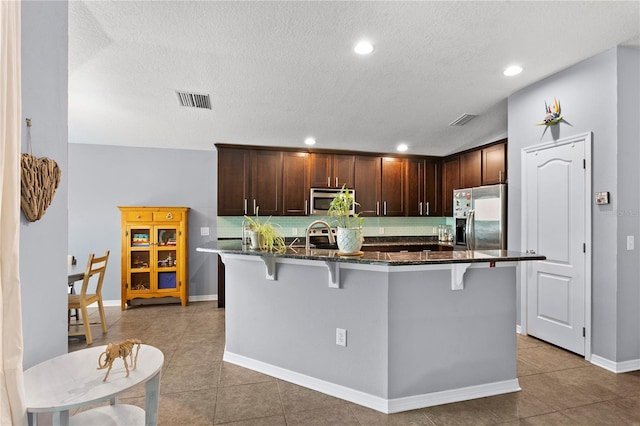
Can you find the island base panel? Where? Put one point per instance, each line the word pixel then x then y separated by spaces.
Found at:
pixel 411 340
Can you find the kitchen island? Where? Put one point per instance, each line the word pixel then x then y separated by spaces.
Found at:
pixel 392 331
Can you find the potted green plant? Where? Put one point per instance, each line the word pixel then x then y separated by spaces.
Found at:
pixel 349 236
pixel 265 235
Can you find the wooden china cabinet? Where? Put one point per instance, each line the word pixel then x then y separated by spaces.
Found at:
pixel 154 253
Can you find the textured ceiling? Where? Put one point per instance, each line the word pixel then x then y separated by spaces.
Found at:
pixel 278 72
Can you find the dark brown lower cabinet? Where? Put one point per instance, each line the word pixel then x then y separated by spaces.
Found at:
pixel 220 283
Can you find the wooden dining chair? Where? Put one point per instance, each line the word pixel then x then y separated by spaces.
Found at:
pixel 94 273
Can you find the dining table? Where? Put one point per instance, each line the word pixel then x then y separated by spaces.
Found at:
pixel 75 273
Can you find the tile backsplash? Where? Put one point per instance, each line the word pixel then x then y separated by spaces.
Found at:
pixel 295 226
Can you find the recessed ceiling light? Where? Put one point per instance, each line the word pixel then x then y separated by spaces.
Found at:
pixel 363 48
pixel 512 70
pixel 402 147
pixel 309 141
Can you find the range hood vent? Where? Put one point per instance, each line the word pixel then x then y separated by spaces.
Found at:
pixel 462 120
pixel 193 100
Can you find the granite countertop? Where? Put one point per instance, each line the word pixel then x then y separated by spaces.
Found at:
pixel 376 258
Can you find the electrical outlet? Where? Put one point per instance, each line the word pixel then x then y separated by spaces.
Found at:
pixel 630 242
pixel 294 231
pixel 380 231
pixel 341 337
pixel 204 231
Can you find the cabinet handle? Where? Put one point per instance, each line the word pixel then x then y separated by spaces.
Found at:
pixel 420 207
pixel 138 216
pixel 254 206
pixel 306 210
pixel 169 216
pixel 328 181
pixel 427 208
pixel 385 208
pixel 245 206
pixel 377 208
pixel 336 181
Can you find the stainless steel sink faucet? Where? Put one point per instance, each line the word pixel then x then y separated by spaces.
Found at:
pixel 314 223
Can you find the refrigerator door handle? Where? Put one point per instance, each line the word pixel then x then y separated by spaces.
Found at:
pixel 468 232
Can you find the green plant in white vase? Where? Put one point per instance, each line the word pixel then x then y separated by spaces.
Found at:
pixel 265 235
pixel 349 236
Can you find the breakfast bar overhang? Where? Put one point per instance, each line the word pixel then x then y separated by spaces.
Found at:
pixel 420 329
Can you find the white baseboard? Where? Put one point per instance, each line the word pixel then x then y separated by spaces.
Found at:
pixel 377 403
pixel 205 298
pixel 615 367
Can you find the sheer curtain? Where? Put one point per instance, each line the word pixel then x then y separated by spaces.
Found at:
pixel 12 405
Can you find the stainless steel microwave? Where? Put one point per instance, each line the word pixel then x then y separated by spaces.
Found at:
pixel 321 198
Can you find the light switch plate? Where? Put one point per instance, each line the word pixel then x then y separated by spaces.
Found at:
pixel 602 197
pixel 204 231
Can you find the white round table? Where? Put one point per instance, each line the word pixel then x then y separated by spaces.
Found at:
pixel 72 380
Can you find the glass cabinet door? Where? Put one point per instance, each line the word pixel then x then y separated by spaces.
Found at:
pixel 166 256
pixel 140 258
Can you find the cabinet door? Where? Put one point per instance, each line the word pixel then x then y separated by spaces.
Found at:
pixel 166 254
pixel 494 164
pixel 471 169
pixel 432 179
pixel 392 186
pixel 139 259
pixel 414 187
pixel 331 170
pixel 367 185
pixel 233 181
pixel 450 181
pixel 295 174
pixel 320 172
pixel 266 182
pixel 343 170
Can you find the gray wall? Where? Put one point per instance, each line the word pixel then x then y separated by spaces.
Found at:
pixel 628 344
pixel 599 95
pixel 43 244
pixel 102 177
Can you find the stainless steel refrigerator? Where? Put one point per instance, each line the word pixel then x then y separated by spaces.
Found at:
pixel 480 216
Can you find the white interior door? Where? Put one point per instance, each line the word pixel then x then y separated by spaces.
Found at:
pixel 554 195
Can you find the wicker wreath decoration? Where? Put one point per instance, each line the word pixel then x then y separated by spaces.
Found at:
pixel 40 178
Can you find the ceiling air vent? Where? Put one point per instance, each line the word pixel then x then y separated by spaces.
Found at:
pixel 462 120
pixel 193 100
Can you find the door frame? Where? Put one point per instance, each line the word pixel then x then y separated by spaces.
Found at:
pixel 587 139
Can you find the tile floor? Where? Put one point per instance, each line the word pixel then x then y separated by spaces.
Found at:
pixel 198 388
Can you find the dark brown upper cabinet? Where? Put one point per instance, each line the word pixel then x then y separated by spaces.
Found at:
pixel 266 183
pixel 249 181
pixel 331 170
pixel 379 185
pixel 393 180
pixel 450 181
pixel 422 187
pixel 367 185
pixel 233 181
pixel 295 173
pixel 494 164
pixel 471 169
